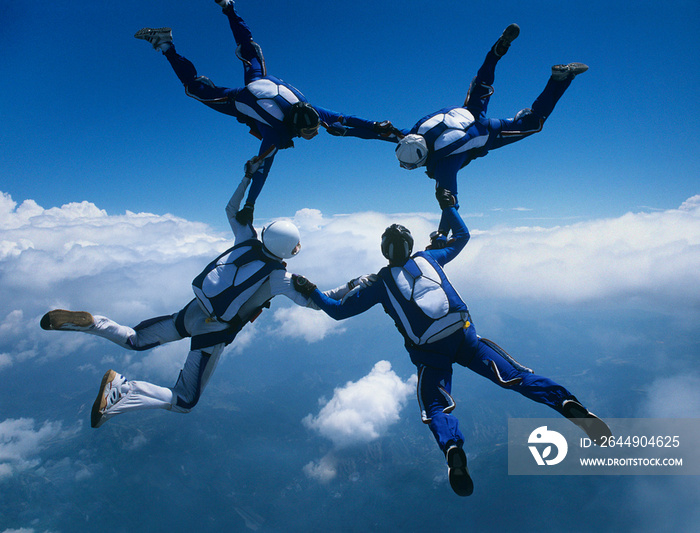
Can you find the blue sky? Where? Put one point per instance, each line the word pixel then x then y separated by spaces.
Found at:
pixel 582 263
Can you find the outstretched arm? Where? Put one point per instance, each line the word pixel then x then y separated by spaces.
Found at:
pixel 352 126
pixel 453 222
pixel 257 169
pixel 352 303
pixel 241 230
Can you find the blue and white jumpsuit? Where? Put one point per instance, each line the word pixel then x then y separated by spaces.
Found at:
pixel 438 332
pixel 229 292
pixel 457 135
pixel 261 104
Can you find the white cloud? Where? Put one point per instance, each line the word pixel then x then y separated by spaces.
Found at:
pixel 358 413
pixel 363 410
pixel 323 470
pixel 21 441
pixel 300 322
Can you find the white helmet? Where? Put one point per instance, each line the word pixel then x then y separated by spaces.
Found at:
pixel 412 151
pixel 281 239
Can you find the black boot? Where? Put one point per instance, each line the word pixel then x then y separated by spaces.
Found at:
pixel 508 36
pixel 457 471
pixel 597 430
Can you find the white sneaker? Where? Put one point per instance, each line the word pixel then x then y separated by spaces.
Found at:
pixel 109 395
pixel 223 3
pixel 67 320
pixel 156 36
pixel 568 72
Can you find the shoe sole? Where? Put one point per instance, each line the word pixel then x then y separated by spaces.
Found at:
pixel 58 318
pixel 458 473
pixel 101 402
pixel 595 428
pixel 570 70
pixel 145 33
pixel 510 33
pixel 507 37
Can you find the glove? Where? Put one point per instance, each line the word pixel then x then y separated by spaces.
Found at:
pixel 337 129
pixel 445 198
pixel 438 240
pixel 362 281
pixel 384 128
pixel 302 285
pixel 245 215
pixel 251 166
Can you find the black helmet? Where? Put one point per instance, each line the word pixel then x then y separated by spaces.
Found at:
pixel 302 118
pixel 397 244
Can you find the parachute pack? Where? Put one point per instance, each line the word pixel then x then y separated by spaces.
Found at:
pixel 419 291
pixel 232 278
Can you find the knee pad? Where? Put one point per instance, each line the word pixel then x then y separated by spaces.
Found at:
pixel 484 91
pixel 206 81
pixel 257 53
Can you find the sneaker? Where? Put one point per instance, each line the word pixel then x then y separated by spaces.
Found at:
pixel 156 36
pixel 568 72
pixel 66 320
pixel 457 471
pixel 223 4
pixel 595 428
pixel 110 393
pixel 508 36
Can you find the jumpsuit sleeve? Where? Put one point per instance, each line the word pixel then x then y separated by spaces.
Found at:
pixel 460 237
pixel 355 304
pixel 241 232
pixel 281 284
pixel 266 156
pixel 444 172
pixel 350 126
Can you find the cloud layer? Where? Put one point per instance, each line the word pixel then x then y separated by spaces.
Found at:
pixel 648 256
pixel 21 441
pixel 137 265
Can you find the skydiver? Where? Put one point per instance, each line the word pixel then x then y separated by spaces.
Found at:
pixel 275 111
pixel 230 292
pixel 447 140
pixel 438 332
